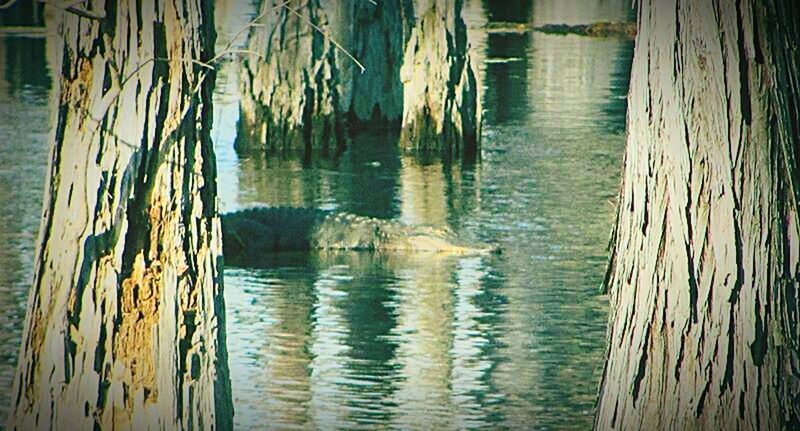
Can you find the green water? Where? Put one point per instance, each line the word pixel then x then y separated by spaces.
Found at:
pixel 360 341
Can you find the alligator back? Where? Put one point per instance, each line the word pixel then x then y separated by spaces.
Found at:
pixel 343 231
pixel 269 229
pixel 265 229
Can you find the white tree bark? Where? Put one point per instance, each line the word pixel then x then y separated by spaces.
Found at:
pixel 441 106
pixel 305 91
pixel 302 89
pixel 704 274
pixel 125 321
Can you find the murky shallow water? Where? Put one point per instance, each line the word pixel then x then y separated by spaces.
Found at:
pixel 353 340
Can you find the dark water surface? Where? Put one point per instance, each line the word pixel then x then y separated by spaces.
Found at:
pixel 24 128
pixel 361 341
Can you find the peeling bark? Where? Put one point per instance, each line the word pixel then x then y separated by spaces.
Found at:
pixel 125 321
pixel 441 107
pixel 704 273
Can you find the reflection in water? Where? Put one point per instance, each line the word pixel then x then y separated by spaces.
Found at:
pixel 507 10
pixel 277 316
pixel 425 313
pixel 368 313
pixel 581 11
pixel 422 192
pixel 22 57
pixel 348 183
pixel 24 88
pixel 363 341
pixel 339 339
pixel 507 62
pixel 550 190
pixel 616 105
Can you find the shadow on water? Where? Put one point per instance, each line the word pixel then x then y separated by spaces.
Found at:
pixel 616 105
pixel 506 62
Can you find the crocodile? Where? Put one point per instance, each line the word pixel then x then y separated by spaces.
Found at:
pixel 254 231
pixel 625 30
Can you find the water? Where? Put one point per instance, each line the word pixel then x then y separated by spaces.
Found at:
pixel 24 91
pixel 360 341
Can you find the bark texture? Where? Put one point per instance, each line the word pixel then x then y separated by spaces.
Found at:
pixel 441 107
pixel 304 92
pixel 704 330
pixel 304 89
pixel 125 321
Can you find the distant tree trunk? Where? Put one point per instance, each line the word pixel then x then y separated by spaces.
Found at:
pixel 441 109
pixel 705 322
pixel 125 322
pixel 304 91
pixel 300 94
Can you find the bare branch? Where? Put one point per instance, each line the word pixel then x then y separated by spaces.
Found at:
pixel 252 23
pixel 71 6
pixel 7 4
pixel 327 36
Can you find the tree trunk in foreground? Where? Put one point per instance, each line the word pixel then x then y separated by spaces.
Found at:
pixel 705 322
pixel 125 321
pixel 441 107
pixel 302 89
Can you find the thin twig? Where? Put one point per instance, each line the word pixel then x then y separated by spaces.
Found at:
pixel 66 6
pixel 253 23
pixel 241 51
pixel 333 41
pixel 152 59
pixel 71 6
pixel 165 143
pixel 7 4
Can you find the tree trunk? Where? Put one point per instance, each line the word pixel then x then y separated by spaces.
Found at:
pixel 704 274
pixel 441 110
pixel 301 88
pixel 304 91
pixel 125 322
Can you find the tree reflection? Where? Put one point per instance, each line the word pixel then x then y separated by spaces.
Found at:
pixel 507 62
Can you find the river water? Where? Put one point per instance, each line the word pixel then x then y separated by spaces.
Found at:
pixel 401 341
